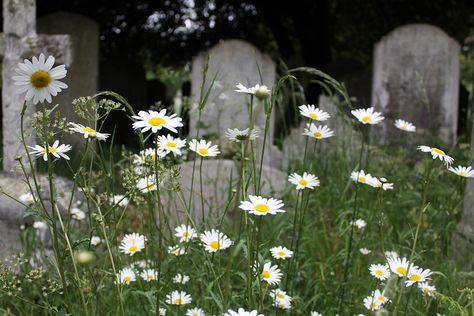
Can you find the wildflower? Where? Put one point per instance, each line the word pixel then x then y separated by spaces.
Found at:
pixel 120 200
pixel 242 312
pixel 181 279
pixel 313 313
pixel 399 266
pixel 77 214
pixel 27 198
pixel 162 311
pixel 125 276
pixel 281 299
pixel 466 172
pixel 379 297
pixel 371 303
pixel 417 275
pixel 361 177
pixel 282 304
pixel 380 271
pixel 203 149
pixel 185 233
pixel 281 252
pixel 391 254
pixel 260 91
pixel 261 206
pixel 149 275
pixel 40 225
pixel 195 312
pixel 169 144
pixel 236 135
pixel 176 250
pixel 95 240
pixel 215 240
pixel 56 150
pixel 318 132
pixel 313 113
pixel 405 126
pixel 427 288
pixel 368 116
pixel 271 274
pixel 132 243
pixel 88 132
pixel 359 223
pixel 147 184
pixel 305 181
pixel 178 298
pixel 39 80
pixel 437 153
pixel 156 121
pixel 365 251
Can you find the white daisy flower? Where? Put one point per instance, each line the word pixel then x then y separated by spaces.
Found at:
pixel 399 266
pixel 361 177
pixel 156 121
pixel 162 311
pixel 147 155
pixel 88 132
pixel 359 223
pixel 176 250
pixel 379 296
pixel 195 312
pixel 149 275
pixel 185 233
pixel 169 144
pixel 120 199
pixel 281 252
pixel 242 312
pixel 27 198
pixel 40 225
pixel 215 240
pixel 132 243
pixel 77 214
pixel 368 116
pixel 39 80
pixel 237 135
pixel 278 294
pixel 203 149
pixel 466 172
pixel 261 206
pixel 437 153
pixel 95 240
pixel 314 313
pixel 371 303
pixel 178 298
pixel 56 150
pixel 417 275
pixel 282 304
pixel 125 276
pixel 147 184
pixel 271 274
pixel 305 181
pixel 365 251
pixel 318 132
pixel 405 126
pixel 260 91
pixel 427 288
pixel 180 278
pixel 380 271
pixel 313 113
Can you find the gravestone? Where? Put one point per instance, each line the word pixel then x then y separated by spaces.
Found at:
pixel 20 41
pixel 416 78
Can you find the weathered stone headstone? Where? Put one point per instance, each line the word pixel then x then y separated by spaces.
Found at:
pixel 20 42
pixel 416 78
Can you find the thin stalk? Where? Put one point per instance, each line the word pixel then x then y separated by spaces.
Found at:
pixel 201 192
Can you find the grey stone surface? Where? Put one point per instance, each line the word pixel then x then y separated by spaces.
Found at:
pixel 416 78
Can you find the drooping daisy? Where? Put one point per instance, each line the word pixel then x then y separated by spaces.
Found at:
pixel 95 240
pixel 147 184
pixel 195 312
pixel 185 233
pixel 215 240
pixel 437 153
pixel 399 266
pixel 313 113
pixel 180 278
pixel 120 200
pixel 56 150
pixel 178 298
pixel 156 121
pixel 371 303
pixel 368 116
pixel 380 271
pixel 318 132
pixel 281 252
pixel 132 243
pixel 242 312
pixel 203 149
pixel 405 126
pixel 361 177
pixel 88 132
pixel 305 181
pixel 39 80
pixel 237 135
pixel 260 91
pixel 359 223
pixel 271 274
pixel 176 250
pixel 261 206
pixel 149 275
pixel 77 214
pixel 466 172
pixel 365 251
pixel 125 276
pixel 417 275
pixel 427 288
pixel 169 144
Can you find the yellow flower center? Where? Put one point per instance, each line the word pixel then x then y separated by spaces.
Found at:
pixel 280 295
pixel 438 151
pixel 185 234
pixel 262 208
pixel 150 277
pixel 401 270
pixel 314 116
pixel 50 150
pixel 195 314
pixel 133 248
pixel 214 244
pixel 281 253
pixel 127 279
pixel 379 272
pixel 373 305
pixel 381 298
pixel 366 118
pixel 150 185
pixel 178 301
pixel 404 126
pixel 362 179
pixel 88 130
pixel 462 173
pixel 317 134
pixel 266 274
pixel 156 121
pixel 426 290
pixel 415 277
pixel 40 79
pixel 303 182
pixel 171 144
pixel 203 151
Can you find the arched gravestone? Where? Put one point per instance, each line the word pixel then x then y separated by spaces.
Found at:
pixel 416 78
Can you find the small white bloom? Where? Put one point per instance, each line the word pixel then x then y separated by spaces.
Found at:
pixel 281 252
pixel 307 180
pixel 176 250
pixel 181 279
pixel 427 288
pixel 214 240
pixel 313 113
pixel 132 243
pixel 149 275
pixel 236 135
pixel 466 172
pixel 365 251
pixel 260 91
pixel 77 214
pixel 359 223
pixel 185 233
pixel 120 199
pixel 318 132
pixel 88 132
pixel 56 150
pixel 125 276
pixel 203 148
pixel 169 144
pixel 155 121
pixel 195 312
pixel 271 274
pixel 380 271
pixel 178 298
pixel 261 206
pixel 242 312
pixel 95 240
pixel 437 153
pixel 405 126
pixel 27 198
pixel 368 116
